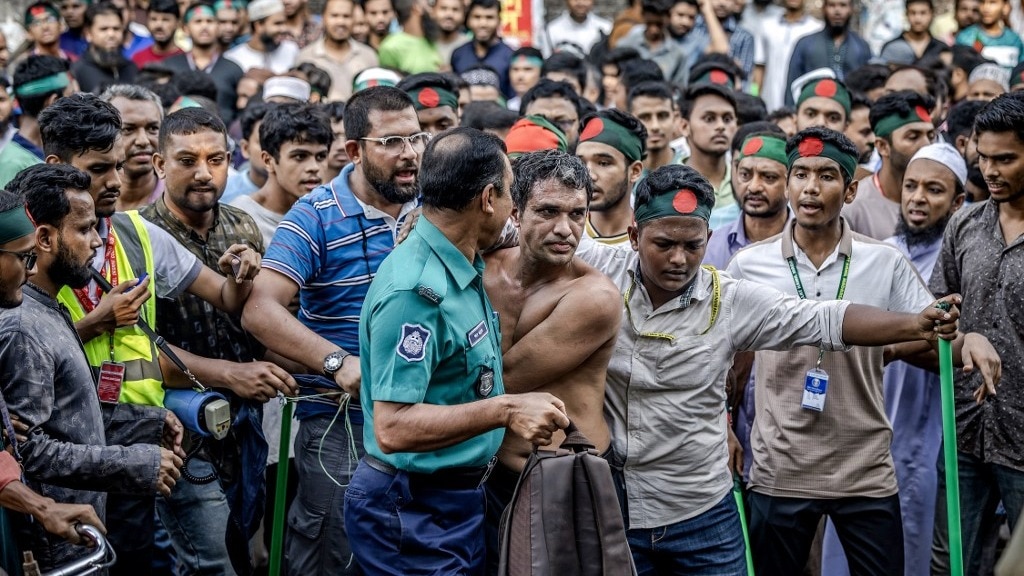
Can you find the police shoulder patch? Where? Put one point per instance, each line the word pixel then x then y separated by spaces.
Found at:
pixel 413 342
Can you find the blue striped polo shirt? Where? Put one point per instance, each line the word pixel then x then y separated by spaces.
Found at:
pixel 331 244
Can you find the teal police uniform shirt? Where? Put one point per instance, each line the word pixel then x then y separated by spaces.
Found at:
pixel 428 334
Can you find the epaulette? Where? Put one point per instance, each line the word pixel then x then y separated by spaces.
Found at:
pixel 428 293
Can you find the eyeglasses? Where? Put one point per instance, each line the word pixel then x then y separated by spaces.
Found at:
pixel 29 258
pixel 394 145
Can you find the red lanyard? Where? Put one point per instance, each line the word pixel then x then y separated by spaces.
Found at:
pixel 110 265
pixel 878 184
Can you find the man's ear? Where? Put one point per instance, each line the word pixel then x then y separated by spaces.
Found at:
pixel 634 236
pixel 158 164
pixel 268 161
pixel 243 145
pixel 46 239
pixel 487 199
pixel 635 171
pixel 354 151
pixel 52 159
pixel 851 192
pixel 882 146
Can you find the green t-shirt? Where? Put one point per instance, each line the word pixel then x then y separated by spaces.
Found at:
pixel 13 159
pixel 410 54
pixel 428 334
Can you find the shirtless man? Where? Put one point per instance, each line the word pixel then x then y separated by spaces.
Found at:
pixel 559 316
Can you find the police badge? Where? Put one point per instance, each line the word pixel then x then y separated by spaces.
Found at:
pixel 485 385
pixel 413 343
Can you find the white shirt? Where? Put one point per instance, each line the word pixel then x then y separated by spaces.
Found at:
pixel 775 52
pixel 564 29
pixel 279 61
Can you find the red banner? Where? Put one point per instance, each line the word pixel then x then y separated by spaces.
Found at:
pixel 516 21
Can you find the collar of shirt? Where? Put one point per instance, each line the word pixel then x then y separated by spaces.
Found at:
pixel 24 143
pixel 455 261
pixel 697 290
pixel 791 250
pixel 350 205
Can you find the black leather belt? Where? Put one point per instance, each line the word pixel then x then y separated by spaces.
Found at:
pixel 459 478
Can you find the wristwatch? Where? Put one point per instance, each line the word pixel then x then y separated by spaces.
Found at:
pixel 333 362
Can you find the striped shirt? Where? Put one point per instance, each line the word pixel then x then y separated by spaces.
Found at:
pixel 331 244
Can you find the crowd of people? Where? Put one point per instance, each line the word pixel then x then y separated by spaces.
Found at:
pixel 721 239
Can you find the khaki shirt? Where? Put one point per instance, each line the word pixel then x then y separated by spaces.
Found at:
pixel 842 451
pixel 359 58
pixel 665 398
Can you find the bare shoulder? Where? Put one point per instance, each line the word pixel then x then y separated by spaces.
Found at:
pixel 595 292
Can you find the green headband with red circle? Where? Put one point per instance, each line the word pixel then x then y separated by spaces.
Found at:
pixel 431 97
pixel 683 202
pixel 615 135
pixel 770 147
pixel 893 122
pixel 812 146
pixel 826 88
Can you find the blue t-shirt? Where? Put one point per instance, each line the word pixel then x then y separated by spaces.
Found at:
pixel 331 249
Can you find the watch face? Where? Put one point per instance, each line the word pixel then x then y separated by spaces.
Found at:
pixel 332 363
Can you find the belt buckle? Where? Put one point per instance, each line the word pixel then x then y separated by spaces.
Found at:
pixel 487 472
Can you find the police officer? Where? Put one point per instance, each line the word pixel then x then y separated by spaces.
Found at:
pixel 432 393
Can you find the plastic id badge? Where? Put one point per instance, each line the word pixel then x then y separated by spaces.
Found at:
pixel 110 381
pixel 815 388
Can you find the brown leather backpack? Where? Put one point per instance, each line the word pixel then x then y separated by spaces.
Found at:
pixel 564 518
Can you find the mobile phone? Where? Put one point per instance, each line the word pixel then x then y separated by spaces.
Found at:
pixel 141 279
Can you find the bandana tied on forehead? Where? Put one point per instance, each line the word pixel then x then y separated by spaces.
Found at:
pixel 717 76
pixel 45 85
pixel 770 147
pixel 812 146
pixel 432 97
pixel 524 60
pixel 374 77
pixel 15 224
pixel 532 134
pixel 683 202
pixel 893 122
pixel 615 135
pixel 199 10
pixel 826 88
pixel 41 12
pixel 232 4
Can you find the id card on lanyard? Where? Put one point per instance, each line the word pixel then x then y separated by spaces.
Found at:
pixel 816 379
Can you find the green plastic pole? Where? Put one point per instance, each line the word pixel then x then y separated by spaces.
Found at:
pixel 281 491
pixel 956 553
pixel 737 492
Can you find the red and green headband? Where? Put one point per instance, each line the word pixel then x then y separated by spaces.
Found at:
pixel 717 76
pixel 41 12
pixel 826 88
pixel 770 147
pixel 812 146
pixel 683 202
pixel 199 10
pixel 893 122
pixel 431 97
pixel 532 134
pixel 615 135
